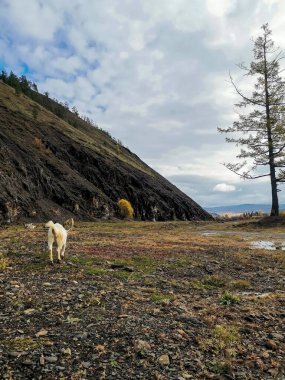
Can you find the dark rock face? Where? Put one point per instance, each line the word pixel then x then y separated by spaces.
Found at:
pixel 50 168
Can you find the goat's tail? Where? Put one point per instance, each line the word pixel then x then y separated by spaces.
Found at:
pixel 69 221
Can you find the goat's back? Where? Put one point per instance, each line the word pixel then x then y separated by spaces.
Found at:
pixel 58 232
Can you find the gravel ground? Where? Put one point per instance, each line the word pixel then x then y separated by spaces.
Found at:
pixel 141 301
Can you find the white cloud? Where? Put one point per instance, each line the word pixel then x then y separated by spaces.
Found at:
pixel 35 19
pixel 220 8
pixel 154 73
pixel 224 188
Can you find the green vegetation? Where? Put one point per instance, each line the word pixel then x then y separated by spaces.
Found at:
pixel 229 299
pixel 240 284
pixel 220 368
pixel 113 363
pixel 95 271
pixel 226 336
pixel 214 281
pixel 158 297
pixel 22 344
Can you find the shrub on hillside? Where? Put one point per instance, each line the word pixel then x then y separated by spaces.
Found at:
pixel 126 209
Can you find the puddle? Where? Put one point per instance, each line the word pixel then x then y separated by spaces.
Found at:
pixel 266 244
pixel 279 243
pixel 210 233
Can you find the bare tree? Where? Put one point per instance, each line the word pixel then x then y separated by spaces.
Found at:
pixel 260 130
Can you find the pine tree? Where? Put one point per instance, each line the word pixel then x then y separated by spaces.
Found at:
pixel 4 76
pixel 260 132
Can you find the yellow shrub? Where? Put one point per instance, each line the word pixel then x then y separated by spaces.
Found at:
pixel 126 209
pixel 4 262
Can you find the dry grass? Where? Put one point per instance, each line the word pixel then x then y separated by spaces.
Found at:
pixel 4 262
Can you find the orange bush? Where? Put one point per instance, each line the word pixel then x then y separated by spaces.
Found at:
pixel 126 209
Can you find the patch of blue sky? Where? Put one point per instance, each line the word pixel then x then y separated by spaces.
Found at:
pixel 94 65
pixel 62 44
pixel 2 65
pixel 99 46
pixel 25 70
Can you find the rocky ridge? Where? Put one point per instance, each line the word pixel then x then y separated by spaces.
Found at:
pixel 53 168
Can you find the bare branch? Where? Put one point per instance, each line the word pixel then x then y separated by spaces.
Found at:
pixel 243 96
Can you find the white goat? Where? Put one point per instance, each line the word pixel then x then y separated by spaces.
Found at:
pixel 58 234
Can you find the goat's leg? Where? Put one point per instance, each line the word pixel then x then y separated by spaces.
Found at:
pixel 62 251
pixel 58 254
pixel 50 253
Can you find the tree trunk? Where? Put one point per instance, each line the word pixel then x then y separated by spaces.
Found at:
pixel 275 204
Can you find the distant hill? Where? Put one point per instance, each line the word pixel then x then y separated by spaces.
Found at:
pixel 54 164
pixel 240 208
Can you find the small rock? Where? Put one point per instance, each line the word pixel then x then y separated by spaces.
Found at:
pixel 28 362
pixel 29 311
pixel 66 351
pixel 48 343
pixel 72 265
pixel 271 344
pixel 187 318
pixel 266 355
pixel 42 332
pixel 84 335
pixel 164 360
pixel 182 333
pixel 129 269
pixel 47 284
pixel 186 375
pixel 86 364
pixel 15 354
pixel 42 360
pixel 250 318
pixel 142 345
pixel 277 336
pixel 51 359
pixel 60 368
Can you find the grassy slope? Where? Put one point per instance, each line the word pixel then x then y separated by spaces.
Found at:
pixel 86 135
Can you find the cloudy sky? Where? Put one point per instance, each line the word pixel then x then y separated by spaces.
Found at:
pixel 152 72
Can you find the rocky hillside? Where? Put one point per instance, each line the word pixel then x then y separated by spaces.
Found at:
pixel 53 167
